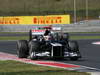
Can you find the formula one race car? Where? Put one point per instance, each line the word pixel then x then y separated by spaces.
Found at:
pixel 47 42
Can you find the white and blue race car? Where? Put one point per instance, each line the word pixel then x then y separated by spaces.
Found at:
pixel 48 42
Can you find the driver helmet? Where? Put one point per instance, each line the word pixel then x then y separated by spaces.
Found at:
pixel 47 38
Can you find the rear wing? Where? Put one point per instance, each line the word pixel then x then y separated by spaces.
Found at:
pixel 41 30
pixel 38 32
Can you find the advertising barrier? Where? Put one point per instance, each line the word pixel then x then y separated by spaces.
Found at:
pixel 37 20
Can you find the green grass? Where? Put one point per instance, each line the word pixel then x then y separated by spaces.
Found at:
pixel 18 68
pixel 26 37
pixel 14 38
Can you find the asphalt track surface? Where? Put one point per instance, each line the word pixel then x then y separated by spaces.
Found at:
pixel 90 52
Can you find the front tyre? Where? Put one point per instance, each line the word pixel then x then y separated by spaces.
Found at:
pixel 22 48
pixel 73 46
pixel 74 58
pixel 74 50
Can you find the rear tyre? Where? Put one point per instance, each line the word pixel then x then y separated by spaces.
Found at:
pixel 22 49
pixel 61 36
pixel 74 58
pixel 56 36
pixel 65 36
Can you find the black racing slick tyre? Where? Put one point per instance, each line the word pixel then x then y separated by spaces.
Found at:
pixel 74 58
pixel 73 46
pixel 22 49
pixel 61 36
pixel 56 36
pixel 65 36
